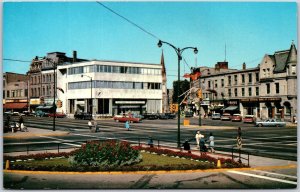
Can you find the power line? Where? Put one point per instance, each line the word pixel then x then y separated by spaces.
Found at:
pixel 17 60
pixel 134 24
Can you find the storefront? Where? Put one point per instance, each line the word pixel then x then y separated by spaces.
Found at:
pixel 15 105
pixel 232 106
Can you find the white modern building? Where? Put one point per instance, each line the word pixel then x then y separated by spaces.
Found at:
pixel 110 87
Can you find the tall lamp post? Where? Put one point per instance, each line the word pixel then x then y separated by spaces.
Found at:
pixel 54 64
pixel 91 106
pixel 179 53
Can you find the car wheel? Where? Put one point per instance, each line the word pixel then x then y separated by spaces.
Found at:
pixel 260 125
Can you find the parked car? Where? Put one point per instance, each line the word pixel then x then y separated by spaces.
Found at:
pixel 270 123
pixel 226 117
pixel 57 115
pixel 236 117
pixel 216 116
pixel 40 113
pixel 188 114
pixel 162 116
pixel 171 115
pixel 249 119
pixel 150 116
pixel 28 113
pixel 83 115
pixel 124 118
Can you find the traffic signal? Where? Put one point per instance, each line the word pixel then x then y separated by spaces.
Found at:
pixel 199 93
pixel 59 104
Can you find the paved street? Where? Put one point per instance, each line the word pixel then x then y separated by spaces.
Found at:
pixel 273 142
pixel 265 173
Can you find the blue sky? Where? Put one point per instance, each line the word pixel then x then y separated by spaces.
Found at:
pixel 249 30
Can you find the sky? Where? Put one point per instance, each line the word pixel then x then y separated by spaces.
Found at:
pixel 249 31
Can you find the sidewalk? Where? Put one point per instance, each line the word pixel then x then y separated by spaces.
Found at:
pixel 34 132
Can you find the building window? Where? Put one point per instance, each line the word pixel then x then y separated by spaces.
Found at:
pixel 268 72
pixel 250 91
pixel 229 92
pixel 293 70
pixel 235 92
pixel 264 72
pixel 268 88
pixel 257 91
pixel 235 79
pixel 216 83
pixel 222 82
pixel 208 84
pixel 277 87
pixel 257 77
pixel 243 92
pixel 7 94
pixel 250 78
pixel 243 78
pixel 229 80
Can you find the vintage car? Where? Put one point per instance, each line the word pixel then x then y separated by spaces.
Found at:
pixel 249 119
pixel 226 117
pixel 57 115
pixel 162 116
pixel 171 115
pixel 216 116
pixel 236 117
pixel 124 118
pixel 83 115
pixel 270 123
pixel 150 116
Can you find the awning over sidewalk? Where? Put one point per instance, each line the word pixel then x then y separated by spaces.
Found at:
pixel 15 105
pixel 231 108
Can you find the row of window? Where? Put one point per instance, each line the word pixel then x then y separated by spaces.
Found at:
pixel 113 69
pixel 47 78
pixel 113 85
pixel 16 93
pixel 214 83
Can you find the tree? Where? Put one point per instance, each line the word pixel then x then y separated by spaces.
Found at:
pixel 184 86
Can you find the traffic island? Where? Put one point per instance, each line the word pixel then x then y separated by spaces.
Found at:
pixel 117 156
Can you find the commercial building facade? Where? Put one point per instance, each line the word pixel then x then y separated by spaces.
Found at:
pixel 266 91
pixel 110 87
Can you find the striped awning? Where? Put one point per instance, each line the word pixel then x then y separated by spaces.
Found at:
pixel 15 105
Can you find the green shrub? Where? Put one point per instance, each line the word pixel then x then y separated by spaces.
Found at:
pixel 107 153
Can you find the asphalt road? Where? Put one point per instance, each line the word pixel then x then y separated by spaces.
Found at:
pixel 280 143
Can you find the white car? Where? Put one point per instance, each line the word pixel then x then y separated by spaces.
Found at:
pixel 216 116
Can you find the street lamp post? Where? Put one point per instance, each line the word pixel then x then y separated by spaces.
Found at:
pixel 54 64
pixel 179 54
pixel 91 106
pixel 200 101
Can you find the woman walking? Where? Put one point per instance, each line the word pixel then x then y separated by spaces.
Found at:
pixel 211 142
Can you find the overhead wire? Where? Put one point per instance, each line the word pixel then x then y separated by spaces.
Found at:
pixel 17 60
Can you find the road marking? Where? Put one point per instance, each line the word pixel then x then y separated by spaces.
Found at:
pixel 263 177
pixel 72 144
pixel 271 173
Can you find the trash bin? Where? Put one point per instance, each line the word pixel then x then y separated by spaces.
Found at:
pixel 186 122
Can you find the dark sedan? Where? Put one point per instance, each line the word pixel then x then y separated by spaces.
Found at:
pixel 87 116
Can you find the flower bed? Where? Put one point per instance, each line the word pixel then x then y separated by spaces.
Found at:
pixel 205 161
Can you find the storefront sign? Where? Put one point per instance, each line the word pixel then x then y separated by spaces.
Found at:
pixel 34 101
pixel 260 99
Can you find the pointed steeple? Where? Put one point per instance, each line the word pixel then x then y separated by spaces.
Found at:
pixel 162 62
pixel 292 58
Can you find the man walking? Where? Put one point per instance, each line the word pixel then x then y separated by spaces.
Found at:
pixel 198 136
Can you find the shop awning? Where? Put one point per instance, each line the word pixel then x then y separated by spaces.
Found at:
pixel 15 105
pixel 231 108
pixel 44 107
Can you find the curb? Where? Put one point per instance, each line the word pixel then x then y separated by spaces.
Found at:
pixel 151 172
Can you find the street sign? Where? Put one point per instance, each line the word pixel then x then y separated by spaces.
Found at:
pixel 239 142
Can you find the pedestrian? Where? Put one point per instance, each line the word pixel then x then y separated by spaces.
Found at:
pixel 203 147
pixel 211 142
pixel 150 142
pixel 127 126
pixel 198 136
pixel 95 125
pixel 239 132
pixel 90 124
pixel 186 146
pixel 23 128
pixel 21 120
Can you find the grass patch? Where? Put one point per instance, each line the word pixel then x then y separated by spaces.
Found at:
pixel 148 159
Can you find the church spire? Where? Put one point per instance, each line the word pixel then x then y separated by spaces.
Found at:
pixel 292 58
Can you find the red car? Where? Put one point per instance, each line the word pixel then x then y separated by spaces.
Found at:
pixel 57 115
pixel 249 119
pixel 236 117
pixel 124 118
